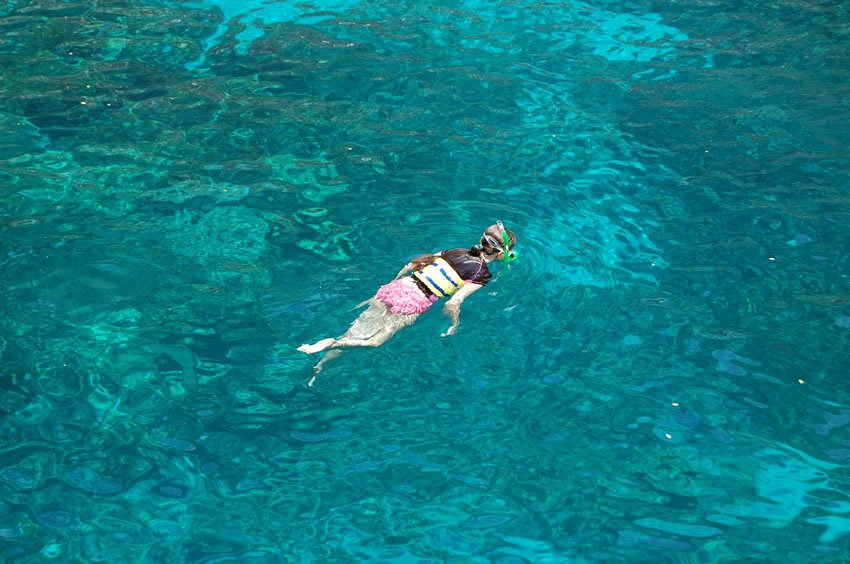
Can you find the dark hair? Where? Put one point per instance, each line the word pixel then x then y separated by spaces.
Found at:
pixel 422 261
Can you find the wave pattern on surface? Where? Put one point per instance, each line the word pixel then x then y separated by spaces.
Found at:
pixel 190 190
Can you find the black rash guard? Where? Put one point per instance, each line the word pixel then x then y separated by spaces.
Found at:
pixel 470 268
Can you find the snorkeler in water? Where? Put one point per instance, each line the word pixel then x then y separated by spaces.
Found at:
pixel 454 274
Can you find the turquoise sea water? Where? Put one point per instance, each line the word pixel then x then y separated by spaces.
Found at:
pixel 188 191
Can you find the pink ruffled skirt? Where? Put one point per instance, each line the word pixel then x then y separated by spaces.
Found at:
pixel 404 296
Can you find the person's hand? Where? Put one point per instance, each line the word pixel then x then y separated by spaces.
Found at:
pixel 451 331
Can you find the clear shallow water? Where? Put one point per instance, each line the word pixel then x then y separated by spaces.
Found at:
pixel 189 191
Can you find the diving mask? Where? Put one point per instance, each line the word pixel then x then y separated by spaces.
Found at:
pixel 510 254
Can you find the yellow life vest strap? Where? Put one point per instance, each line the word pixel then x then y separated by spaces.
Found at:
pixel 440 278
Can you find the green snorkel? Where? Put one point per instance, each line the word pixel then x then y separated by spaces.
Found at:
pixel 510 254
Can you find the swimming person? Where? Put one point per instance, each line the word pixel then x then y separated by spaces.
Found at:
pixel 454 274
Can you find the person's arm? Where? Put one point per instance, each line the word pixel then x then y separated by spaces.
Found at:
pixel 452 307
pixel 407 268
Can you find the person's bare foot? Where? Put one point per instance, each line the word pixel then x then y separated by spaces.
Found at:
pixel 317 347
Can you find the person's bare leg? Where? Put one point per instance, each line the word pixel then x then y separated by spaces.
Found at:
pixel 374 341
pixel 330 355
pixel 335 351
pixel 331 343
pixel 392 324
pixel 371 329
pixel 318 346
